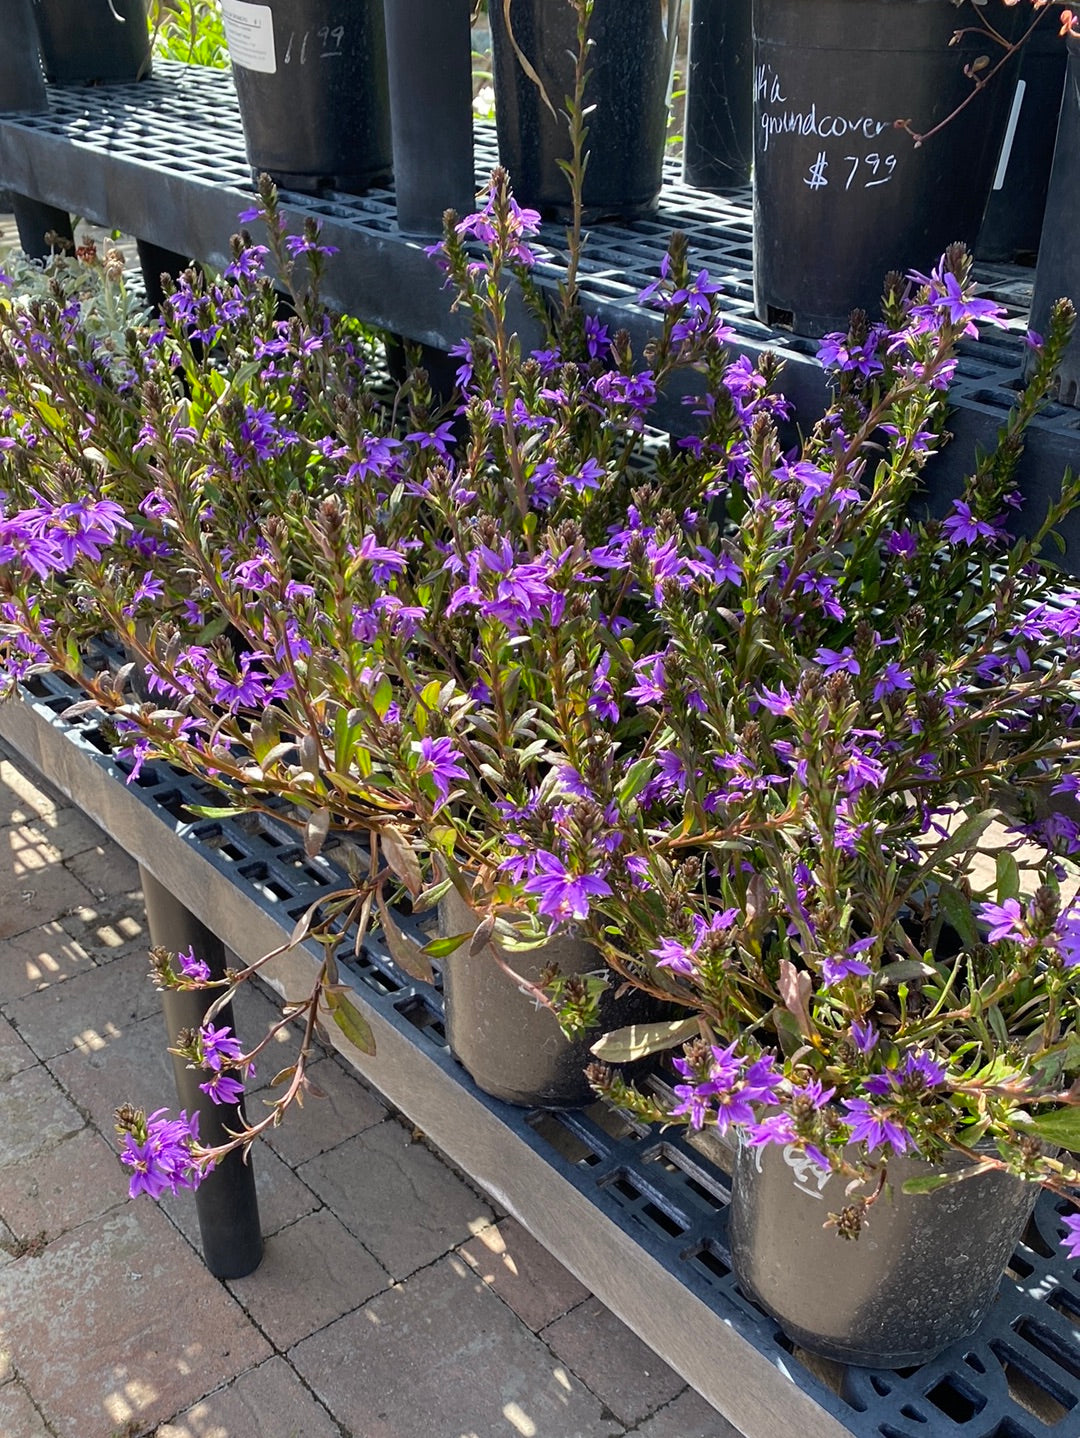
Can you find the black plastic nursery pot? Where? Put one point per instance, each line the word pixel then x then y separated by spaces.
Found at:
pixel 429 51
pixel 86 42
pixel 718 145
pixel 1058 272
pixel 841 196
pixel 630 68
pixel 512 1049
pixel 1013 220
pixel 921 1275
pixel 314 96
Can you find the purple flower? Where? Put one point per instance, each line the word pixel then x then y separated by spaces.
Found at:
pixel 217 1046
pixel 1006 921
pixel 874 1127
pixel 563 895
pixel 681 957
pixel 441 760
pixel 193 968
pixel 649 673
pixel 223 1088
pixel 163 1161
pixel 833 970
pixel 918 1073
pixel 1071 1241
pixel 962 527
pixel 863 1035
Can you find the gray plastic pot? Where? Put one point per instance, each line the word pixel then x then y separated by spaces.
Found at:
pixel 510 1048
pixel 922 1274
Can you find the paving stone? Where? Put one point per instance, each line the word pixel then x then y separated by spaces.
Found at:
pixel 14 1054
pixel 282 1197
pixel 66 1185
pixel 104 868
pixel 37 958
pixel 90 1015
pixel 441 1356
pixel 522 1272
pixel 403 1204
pixel 110 927
pixel 136 1070
pixel 312 1273
pixel 18 1416
pixel 621 1370
pixel 34 885
pixel 24 794
pixel 94 1013
pixel 36 1115
pixel 349 1108
pixel 257 1010
pixel 119 1321
pixel 266 1402
pixel 689 1416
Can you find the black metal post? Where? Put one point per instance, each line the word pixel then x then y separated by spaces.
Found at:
pixel 22 87
pixel 429 53
pixel 225 1200
pixel 155 261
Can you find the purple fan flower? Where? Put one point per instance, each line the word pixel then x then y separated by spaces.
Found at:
pixel 1071 1241
pixel 163 1161
pixel 217 1046
pixel 874 1127
pixel 193 968
pixel 1006 921
pixel 863 1035
pixel 563 895
pixel 223 1088
pixel 833 970
pixel 441 760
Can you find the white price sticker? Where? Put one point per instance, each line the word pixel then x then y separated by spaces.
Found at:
pixel 249 31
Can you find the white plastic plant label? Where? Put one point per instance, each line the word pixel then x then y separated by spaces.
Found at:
pixel 249 31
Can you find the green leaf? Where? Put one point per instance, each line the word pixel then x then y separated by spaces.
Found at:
pixel 637 777
pixel 350 1021
pixel 903 970
pixel 405 952
pixel 624 1045
pixel 965 836
pixel 957 909
pixel 214 811
pixel 1061 1126
pixel 1008 877
pixel 442 948
pixel 934 1181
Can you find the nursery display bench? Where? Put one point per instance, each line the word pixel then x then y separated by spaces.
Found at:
pixel 639 1217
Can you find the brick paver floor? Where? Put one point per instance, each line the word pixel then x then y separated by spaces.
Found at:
pixel 393 1301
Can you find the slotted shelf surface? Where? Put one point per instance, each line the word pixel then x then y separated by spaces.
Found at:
pixel 1018 1377
pixel 165 160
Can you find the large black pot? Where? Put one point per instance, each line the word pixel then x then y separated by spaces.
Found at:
pixel 429 51
pixel 313 90
pixel 718 145
pixel 921 1275
pixel 510 1048
pixel 841 196
pixel 1058 272
pixel 630 64
pixel 1014 213
pixel 86 42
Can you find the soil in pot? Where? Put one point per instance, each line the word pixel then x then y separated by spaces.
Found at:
pixel 921 1275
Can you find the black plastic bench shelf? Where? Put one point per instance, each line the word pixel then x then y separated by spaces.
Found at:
pixel 164 161
pixel 639 1217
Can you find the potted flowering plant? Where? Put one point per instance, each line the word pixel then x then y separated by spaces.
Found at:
pixel 850 863
pixel 343 606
